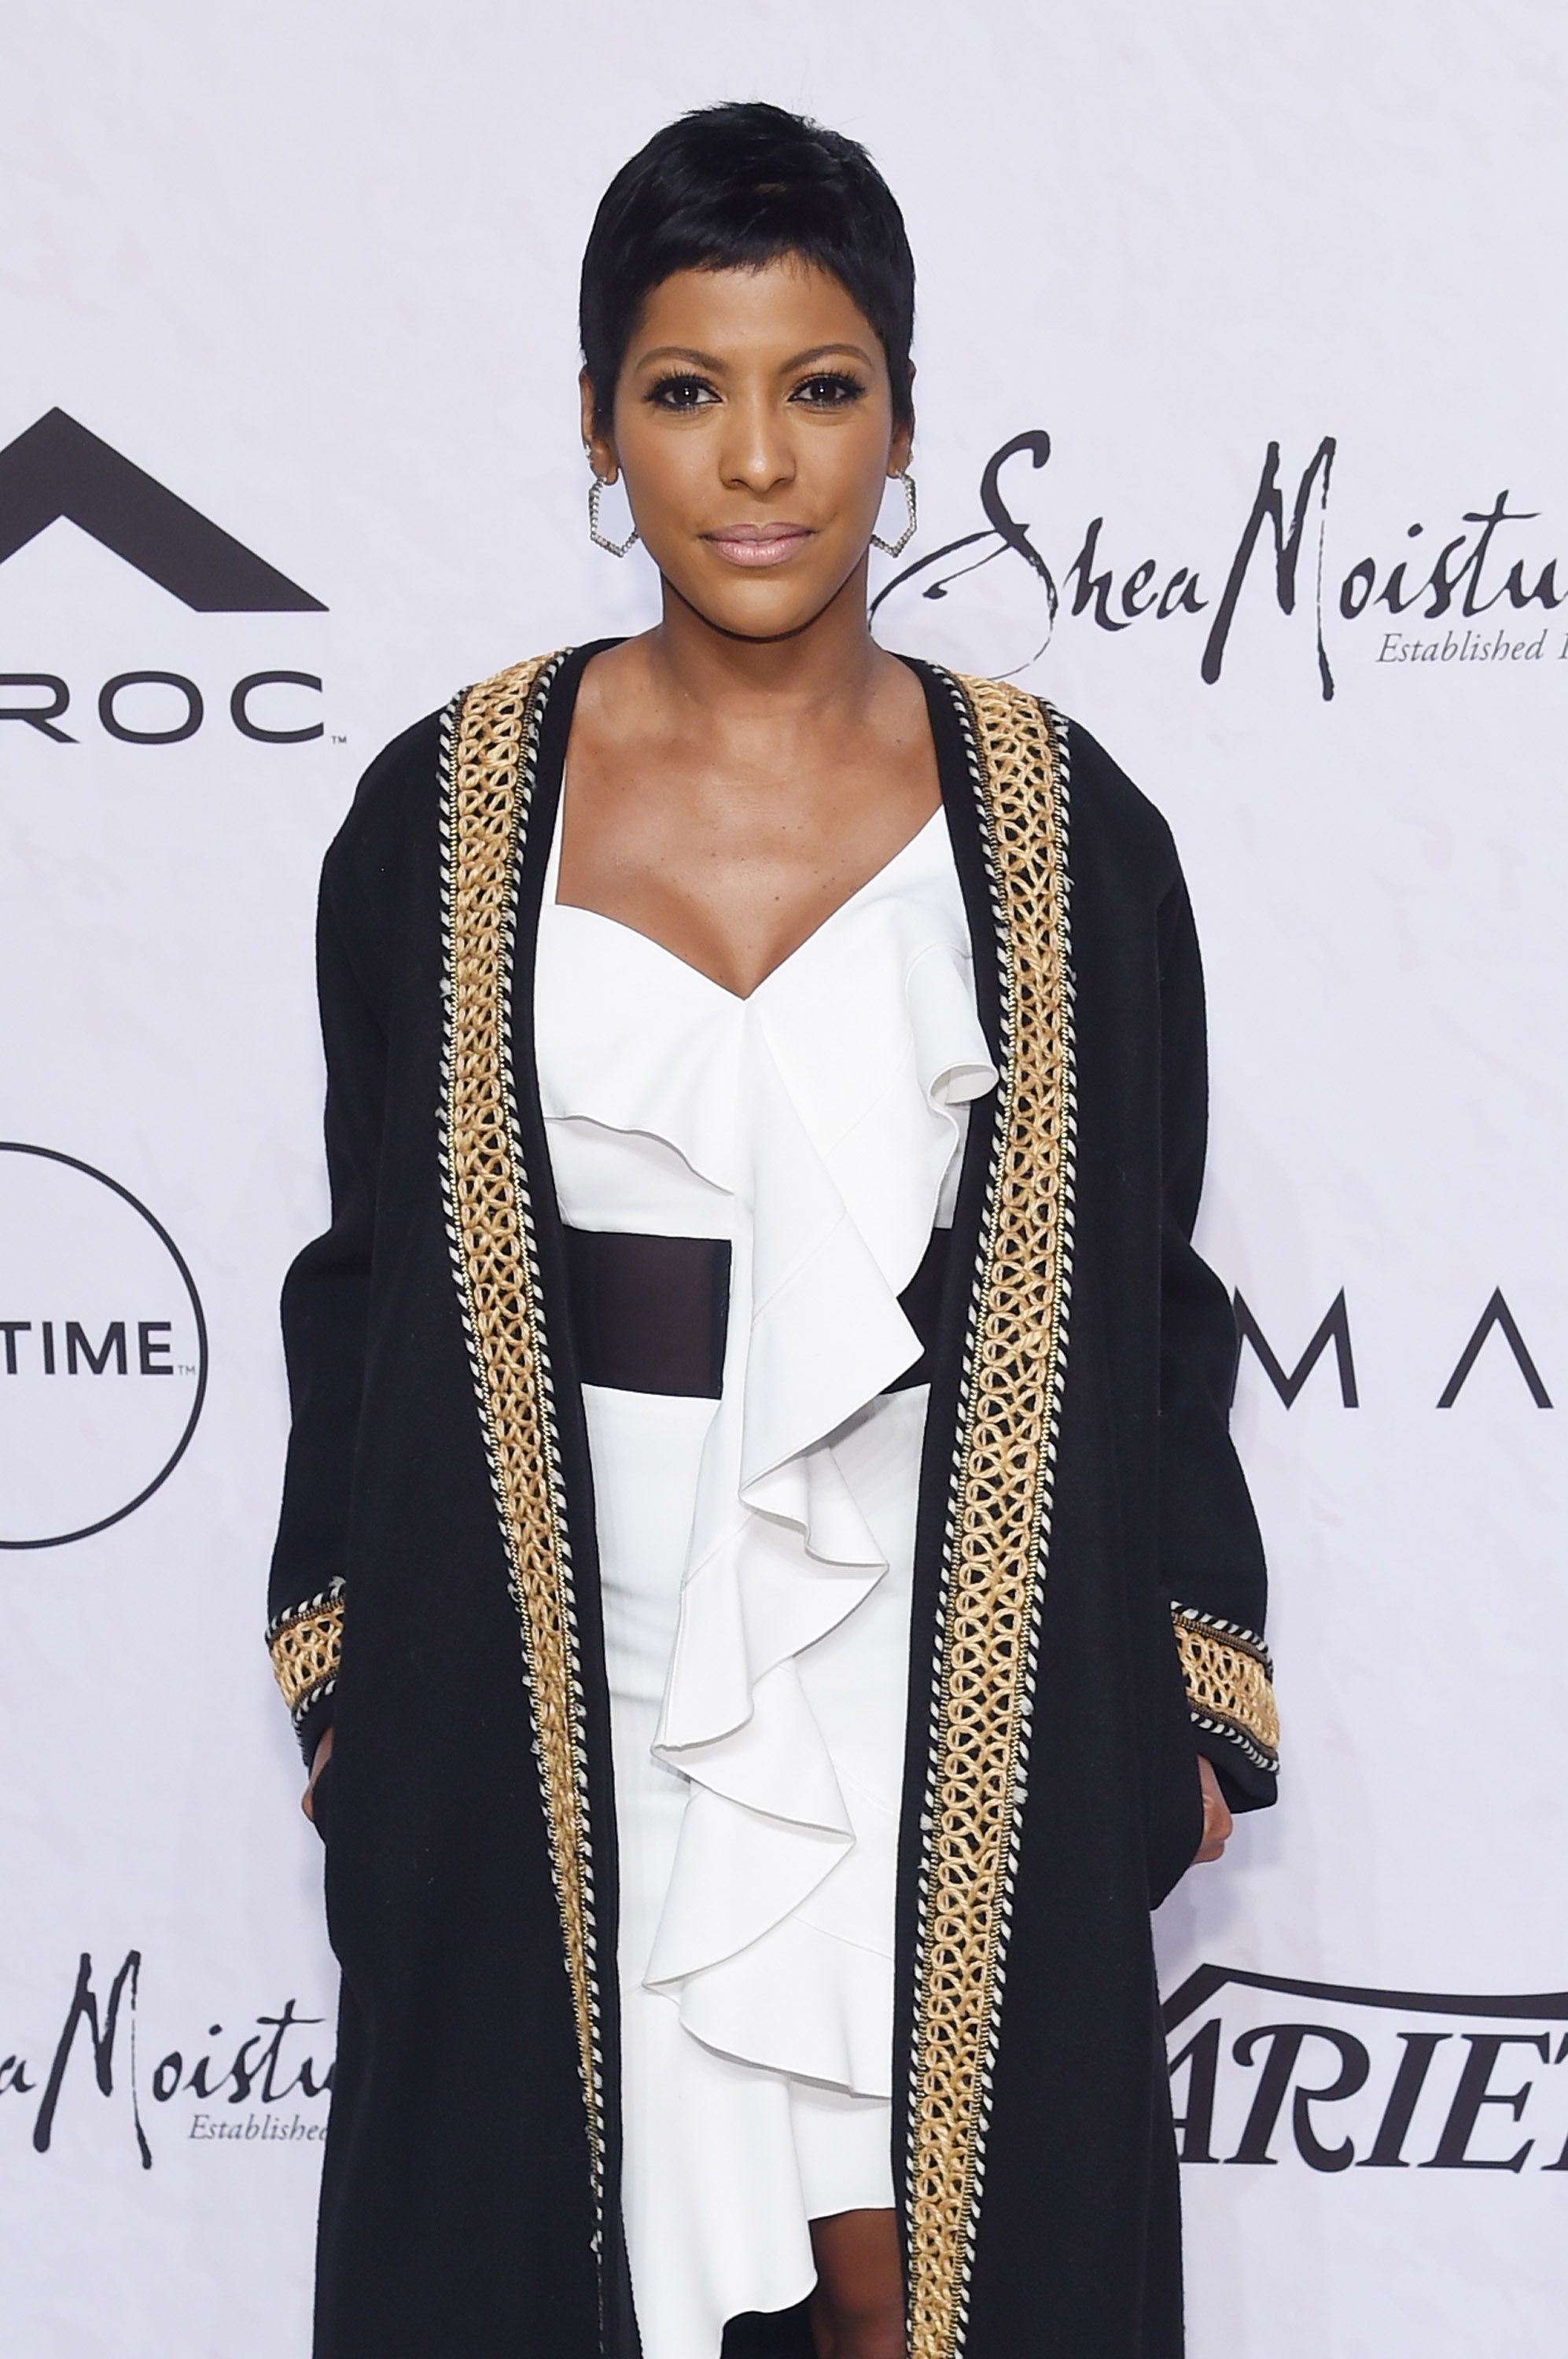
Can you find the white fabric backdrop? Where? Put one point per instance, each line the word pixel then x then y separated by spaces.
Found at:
pixel 312 268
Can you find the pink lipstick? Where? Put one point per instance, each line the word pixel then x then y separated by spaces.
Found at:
pixel 759 544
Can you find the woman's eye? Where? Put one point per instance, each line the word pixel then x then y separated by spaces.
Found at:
pixel 682 393
pixel 830 389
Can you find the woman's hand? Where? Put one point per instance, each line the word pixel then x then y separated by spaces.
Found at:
pixel 325 1754
pixel 1218 1824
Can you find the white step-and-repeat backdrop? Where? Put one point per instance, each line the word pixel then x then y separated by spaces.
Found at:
pixel 1240 361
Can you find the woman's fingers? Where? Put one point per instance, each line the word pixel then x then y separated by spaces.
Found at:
pixel 324 1755
pixel 1218 1823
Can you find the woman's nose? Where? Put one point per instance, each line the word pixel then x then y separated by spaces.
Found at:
pixel 756 455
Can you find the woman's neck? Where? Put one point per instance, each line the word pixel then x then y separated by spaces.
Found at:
pixel 830 671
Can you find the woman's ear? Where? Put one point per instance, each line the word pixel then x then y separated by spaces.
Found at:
pixel 903 441
pixel 600 447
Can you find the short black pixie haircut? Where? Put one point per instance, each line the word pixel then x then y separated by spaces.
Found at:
pixel 732 188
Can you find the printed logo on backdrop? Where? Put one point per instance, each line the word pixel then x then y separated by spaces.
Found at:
pixel 264 2081
pixel 58 471
pixel 1331 1342
pixel 1266 2071
pixel 102 1350
pixel 1476 587
pixel 1274 2073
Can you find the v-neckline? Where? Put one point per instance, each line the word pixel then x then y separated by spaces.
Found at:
pixel 737 998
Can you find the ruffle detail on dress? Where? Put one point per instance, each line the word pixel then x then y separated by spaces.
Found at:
pixel 686 1100
pixel 831 1149
pixel 838 1187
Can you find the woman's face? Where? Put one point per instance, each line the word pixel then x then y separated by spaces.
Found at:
pixel 754 427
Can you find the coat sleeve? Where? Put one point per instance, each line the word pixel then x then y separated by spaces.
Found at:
pixel 324 1306
pixel 1211 1553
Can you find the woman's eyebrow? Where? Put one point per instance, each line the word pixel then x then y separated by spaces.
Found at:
pixel 821 351
pixel 711 361
pixel 679 353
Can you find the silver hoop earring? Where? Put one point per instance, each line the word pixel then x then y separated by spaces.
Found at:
pixel 897 547
pixel 600 539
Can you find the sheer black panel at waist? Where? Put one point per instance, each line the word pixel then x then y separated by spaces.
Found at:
pixel 648 1314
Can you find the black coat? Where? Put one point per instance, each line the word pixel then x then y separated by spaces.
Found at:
pixel 1088 1592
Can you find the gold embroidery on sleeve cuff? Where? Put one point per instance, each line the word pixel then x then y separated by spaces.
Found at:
pixel 306 1643
pixel 1229 1683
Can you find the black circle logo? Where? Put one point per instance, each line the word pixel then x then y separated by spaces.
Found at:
pixel 102 1350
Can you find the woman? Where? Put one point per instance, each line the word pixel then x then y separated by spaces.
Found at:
pixel 753 1409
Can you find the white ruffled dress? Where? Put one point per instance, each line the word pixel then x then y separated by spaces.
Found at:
pixel 756 1552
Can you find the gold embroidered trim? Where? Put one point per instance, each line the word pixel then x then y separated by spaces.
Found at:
pixel 488 782
pixel 994 1556
pixel 305 1646
pixel 1228 1680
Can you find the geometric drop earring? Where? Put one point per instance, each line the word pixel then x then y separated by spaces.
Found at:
pixel 601 538
pixel 897 547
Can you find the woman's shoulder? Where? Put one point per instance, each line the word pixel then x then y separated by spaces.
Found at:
pixel 404 779
pixel 1103 798
pixel 388 838
pixel 1109 820
pixel 399 789
pixel 409 767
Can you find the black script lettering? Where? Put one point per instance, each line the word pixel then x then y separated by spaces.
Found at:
pixel 1036 447
pixel 1472 2093
pixel 194 708
pixel 1392 593
pixel 1134 602
pixel 239 707
pixel 41 717
pixel 1005 534
pixel 76 1343
pixel 1360 577
pixel 304 2078
pixel 1196 2127
pixel 14 2081
pixel 1137 597
pixel 1269 506
pixel 1387 2153
pixel 166 2075
pixel 84 2009
pixel 1496 1314
pixel 1187 599
pixel 1333 1327
pixel 1438 581
pixel 1445 586
pixel 252 2071
pixel 1545 592
pixel 1090 585
pixel 241 2073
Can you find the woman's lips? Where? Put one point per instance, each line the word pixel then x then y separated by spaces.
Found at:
pixel 759 544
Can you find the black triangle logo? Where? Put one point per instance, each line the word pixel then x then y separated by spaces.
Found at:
pixel 57 469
